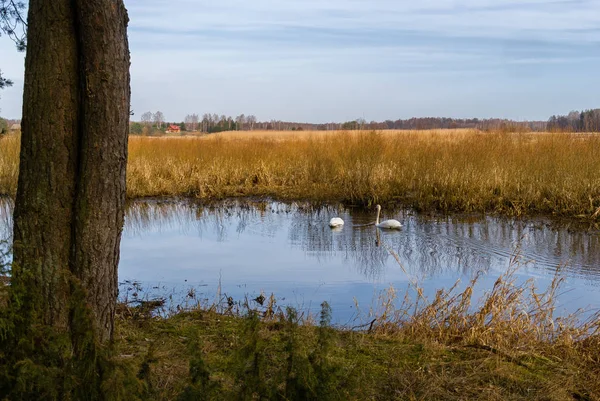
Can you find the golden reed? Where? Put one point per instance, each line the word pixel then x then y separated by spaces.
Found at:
pixel 444 170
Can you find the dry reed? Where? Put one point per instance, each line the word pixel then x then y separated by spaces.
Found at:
pixel 451 170
pixel 9 163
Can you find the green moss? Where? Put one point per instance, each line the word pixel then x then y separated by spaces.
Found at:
pixel 41 361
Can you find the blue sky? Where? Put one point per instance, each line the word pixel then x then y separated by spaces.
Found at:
pixel 317 61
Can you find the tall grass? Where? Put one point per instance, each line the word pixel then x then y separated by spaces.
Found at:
pixel 452 170
pixel 460 171
pixel 9 163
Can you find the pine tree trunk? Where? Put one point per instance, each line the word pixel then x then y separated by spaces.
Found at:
pixel 43 213
pixel 100 202
pixel 70 199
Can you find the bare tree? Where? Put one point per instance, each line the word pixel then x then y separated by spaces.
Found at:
pixel 240 121
pixel 206 122
pixel 251 120
pixel 191 122
pixel 361 122
pixel 159 119
pixel 147 118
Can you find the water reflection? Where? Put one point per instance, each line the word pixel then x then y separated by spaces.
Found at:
pixel 244 248
pixel 426 247
pixel 290 250
pixel 6 208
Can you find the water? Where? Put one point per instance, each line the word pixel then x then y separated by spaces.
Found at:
pixel 242 249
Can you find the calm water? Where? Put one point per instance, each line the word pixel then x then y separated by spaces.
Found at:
pixel 172 247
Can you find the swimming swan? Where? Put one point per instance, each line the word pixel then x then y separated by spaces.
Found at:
pixel 391 224
pixel 336 222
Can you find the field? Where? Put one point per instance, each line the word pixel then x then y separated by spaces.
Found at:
pixel 447 170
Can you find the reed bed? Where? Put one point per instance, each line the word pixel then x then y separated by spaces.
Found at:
pixel 446 170
pixel 9 163
pixel 460 170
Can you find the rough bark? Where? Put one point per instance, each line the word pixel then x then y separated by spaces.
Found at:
pixel 100 203
pixel 70 199
pixel 43 213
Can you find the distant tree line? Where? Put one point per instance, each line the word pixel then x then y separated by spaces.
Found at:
pixel 3 126
pixel 152 123
pixel 427 123
pixel 575 121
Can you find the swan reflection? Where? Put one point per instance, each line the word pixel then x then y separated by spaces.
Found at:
pixel 426 247
pixel 289 249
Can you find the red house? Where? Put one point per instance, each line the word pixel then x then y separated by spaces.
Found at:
pixel 173 129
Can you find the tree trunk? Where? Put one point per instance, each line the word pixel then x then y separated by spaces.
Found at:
pixel 69 206
pixel 100 200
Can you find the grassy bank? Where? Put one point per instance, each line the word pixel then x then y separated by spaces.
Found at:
pixel 508 347
pixel 460 170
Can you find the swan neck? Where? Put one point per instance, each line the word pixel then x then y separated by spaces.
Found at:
pixel 377 219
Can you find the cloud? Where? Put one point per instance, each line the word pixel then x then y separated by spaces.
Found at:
pixel 498 19
pixel 317 61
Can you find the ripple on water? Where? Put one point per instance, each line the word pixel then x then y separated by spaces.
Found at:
pixel 288 249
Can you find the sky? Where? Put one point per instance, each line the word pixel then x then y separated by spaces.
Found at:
pixel 338 60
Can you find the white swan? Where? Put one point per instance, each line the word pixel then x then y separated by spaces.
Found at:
pixel 391 224
pixel 336 222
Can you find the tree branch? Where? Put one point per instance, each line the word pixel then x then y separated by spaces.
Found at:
pixel 18 14
pixel 10 19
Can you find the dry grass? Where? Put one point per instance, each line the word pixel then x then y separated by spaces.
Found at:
pixel 451 170
pixel 437 170
pixel 9 163
pixel 507 346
